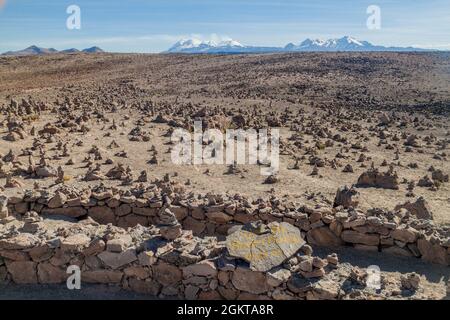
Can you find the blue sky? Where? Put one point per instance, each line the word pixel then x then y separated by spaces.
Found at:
pixel 154 25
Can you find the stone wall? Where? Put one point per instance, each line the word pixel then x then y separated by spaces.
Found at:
pixel 397 232
pixel 139 259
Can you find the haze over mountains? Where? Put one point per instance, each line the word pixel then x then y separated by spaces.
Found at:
pixel 231 46
pixel 35 50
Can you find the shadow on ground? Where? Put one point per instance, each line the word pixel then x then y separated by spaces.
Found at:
pixel 388 263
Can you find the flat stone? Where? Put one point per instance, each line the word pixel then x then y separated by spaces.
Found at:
pixel 132 220
pixel 75 242
pixel 94 248
pixel 16 255
pixel 277 276
pixel 407 235
pixel 48 273
pixel 299 284
pixel 205 268
pixel 123 210
pixel 73 212
pixel 57 201
pixel 219 217
pixel 361 238
pixel 41 253
pixel 103 215
pixel 323 237
pixel 119 244
pixel 433 252
pixel 117 260
pixel 147 258
pixel 148 286
pixel 196 226
pixel 138 272
pixel 147 212
pixel 268 250
pixel 326 290
pixel 397 251
pixel 250 281
pixel 19 242
pixel 166 274
pixel 190 293
pixel 23 272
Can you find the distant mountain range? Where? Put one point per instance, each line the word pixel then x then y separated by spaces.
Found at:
pixel 34 50
pixel 231 46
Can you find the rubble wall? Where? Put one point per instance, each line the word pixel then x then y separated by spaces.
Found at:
pixel 323 226
pixel 139 259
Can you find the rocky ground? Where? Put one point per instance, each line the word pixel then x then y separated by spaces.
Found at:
pixel 364 162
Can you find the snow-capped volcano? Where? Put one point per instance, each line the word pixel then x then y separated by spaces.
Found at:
pixel 231 46
pixel 342 44
pixel 198 46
